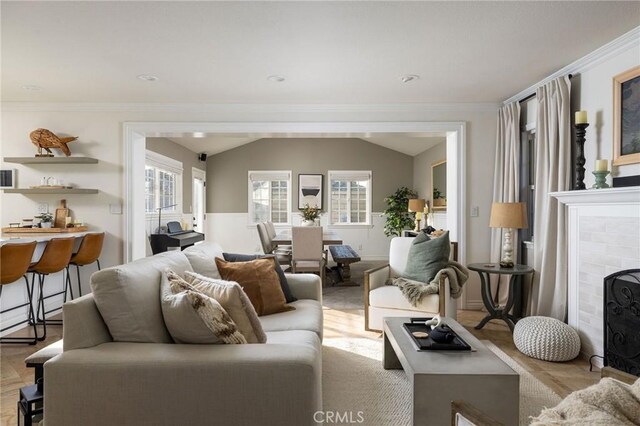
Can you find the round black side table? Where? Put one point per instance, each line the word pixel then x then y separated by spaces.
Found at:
pixel 515 291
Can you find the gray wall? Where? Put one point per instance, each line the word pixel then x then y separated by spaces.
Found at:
pixel 422 168
pixel 227 171
pixel 188 158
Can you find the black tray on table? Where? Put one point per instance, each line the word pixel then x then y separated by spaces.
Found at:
pixel 427 344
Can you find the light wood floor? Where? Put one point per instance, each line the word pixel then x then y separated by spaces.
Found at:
pixel 562 378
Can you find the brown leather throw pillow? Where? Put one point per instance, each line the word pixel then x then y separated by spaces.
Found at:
pixel 258 278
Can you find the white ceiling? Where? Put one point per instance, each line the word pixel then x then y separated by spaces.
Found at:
pixel 329 52
pixel 407 143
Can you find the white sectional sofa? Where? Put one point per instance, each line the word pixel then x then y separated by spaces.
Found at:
pixel 99 381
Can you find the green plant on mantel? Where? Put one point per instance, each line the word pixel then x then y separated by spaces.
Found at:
pixel 396 214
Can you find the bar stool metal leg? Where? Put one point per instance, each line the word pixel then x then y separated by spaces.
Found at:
pixel 30 320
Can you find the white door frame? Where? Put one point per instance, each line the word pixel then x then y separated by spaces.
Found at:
pixel 135 133
pixel 197 173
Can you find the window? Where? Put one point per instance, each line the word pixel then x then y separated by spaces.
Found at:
pixel 269 196
pixel 163 184
pixel 350 197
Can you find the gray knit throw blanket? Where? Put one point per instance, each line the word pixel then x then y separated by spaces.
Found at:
pixel 414 291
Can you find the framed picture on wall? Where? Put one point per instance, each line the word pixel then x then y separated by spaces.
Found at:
pixel 310 190
pixel 626 117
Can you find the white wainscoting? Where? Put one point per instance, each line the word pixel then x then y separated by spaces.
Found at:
pixel 233 232
pixel 604 237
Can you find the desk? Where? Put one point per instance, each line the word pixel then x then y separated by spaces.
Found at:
pixel 515 291
pixel 329 238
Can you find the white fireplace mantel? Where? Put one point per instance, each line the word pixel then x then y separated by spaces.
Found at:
pixel 603 237
pixel 599 196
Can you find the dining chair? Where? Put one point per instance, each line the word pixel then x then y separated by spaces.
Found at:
pixel 88 253
pixel 55 258
pixel 15 260
pixel 308 253
pixel 271 232
pixel 283 256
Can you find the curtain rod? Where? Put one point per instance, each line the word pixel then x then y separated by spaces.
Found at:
pixel 533 95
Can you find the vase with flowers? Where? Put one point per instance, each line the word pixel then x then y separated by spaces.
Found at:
pixel 310 215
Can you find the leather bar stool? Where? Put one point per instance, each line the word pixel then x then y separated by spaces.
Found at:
pixel 88 253
pixel 55 258
pixel 14 263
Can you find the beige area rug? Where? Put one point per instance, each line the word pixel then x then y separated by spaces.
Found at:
pixel 354 381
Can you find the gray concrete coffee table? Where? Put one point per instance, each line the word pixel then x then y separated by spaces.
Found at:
pixel 440 377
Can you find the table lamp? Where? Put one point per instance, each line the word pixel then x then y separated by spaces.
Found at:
pixel 416 205
pixel 508 216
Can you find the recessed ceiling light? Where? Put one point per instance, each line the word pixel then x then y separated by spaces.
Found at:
pixel 409 77
pixel 31 87
pixel 276 78
pixel 148 77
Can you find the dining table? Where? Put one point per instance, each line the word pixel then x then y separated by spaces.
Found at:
pixel 329 238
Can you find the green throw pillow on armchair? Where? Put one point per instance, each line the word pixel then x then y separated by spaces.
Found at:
pixel 427 256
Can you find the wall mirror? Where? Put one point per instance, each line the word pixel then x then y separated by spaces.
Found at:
pixel 439 186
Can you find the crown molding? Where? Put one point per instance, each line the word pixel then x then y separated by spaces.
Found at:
pixel 613 48
pixel 247 108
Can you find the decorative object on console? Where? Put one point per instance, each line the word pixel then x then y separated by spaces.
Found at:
pixel 581 125
pixel 546 338
pixel 397 218
pixel 46 139
pixel 508 216
pixel 417 205
pixel 310 191
pixel 601 171
pixel 626 117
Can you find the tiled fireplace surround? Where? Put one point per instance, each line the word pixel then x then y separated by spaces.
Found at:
pixel 603 238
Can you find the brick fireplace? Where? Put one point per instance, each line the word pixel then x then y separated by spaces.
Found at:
pixel 603 238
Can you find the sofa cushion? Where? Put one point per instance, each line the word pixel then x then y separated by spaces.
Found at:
pixel 307 316
pixel 426 257
pixel 192 316
pixel 202 258
pixel 234 301
pixel 128 297
pixel 295 337
pixel 391 297
pixel 284 284
pixel 258 278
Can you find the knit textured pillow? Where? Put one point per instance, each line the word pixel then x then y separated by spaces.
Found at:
pixel 234 300
pixel 183 304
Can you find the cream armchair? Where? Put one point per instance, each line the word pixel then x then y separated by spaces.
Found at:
pixel 382 300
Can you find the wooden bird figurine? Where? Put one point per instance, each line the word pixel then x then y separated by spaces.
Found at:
pixel 45 139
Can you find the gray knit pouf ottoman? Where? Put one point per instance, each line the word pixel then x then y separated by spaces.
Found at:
pixel 546 338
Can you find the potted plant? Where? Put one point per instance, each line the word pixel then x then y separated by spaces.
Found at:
pixel 397 216
pixel 438 199
pixel 309 215
pixel 46 220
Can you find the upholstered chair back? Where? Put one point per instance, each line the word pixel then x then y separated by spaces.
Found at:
pixel 307 242
pixel 264 238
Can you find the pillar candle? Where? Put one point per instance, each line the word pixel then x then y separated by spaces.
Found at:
pixel 602 165
pixel 581 117
pixel 426 210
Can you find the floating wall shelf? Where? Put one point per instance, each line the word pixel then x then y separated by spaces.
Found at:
pixel 51 160
pixel 50 191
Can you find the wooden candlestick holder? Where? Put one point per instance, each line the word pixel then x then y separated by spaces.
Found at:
pixel 581 130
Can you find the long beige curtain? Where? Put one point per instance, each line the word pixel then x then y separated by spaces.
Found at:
pixel 553 173
pixel 506 185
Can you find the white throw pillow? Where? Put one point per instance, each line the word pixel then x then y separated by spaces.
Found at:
pixel 234 300
pixel 202 258
pixel 193 317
